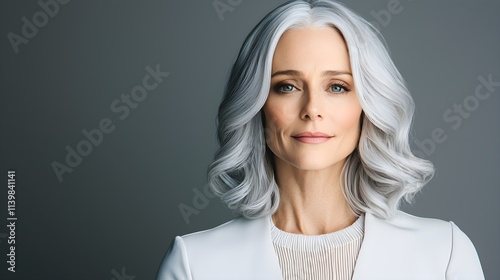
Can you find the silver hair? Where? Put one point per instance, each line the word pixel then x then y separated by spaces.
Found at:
pixel 378 174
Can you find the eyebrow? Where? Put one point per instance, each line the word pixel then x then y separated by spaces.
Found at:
pixel 299 73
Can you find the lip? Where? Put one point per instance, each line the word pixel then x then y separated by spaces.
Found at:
pixel 312 137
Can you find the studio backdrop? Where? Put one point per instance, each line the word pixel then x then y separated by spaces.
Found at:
pixel 108 114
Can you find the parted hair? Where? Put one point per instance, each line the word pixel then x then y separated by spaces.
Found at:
pixel 377 175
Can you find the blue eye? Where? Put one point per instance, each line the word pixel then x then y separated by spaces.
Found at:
pixel 284 88
pixel 339 88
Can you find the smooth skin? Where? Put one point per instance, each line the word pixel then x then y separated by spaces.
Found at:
pixel 312 90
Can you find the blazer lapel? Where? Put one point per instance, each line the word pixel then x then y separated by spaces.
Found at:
pixel 370 252
pixel 396 249
pixel 270 264
pixel 384 253
pixel 373 259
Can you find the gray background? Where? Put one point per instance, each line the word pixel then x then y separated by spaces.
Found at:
pixel 119 209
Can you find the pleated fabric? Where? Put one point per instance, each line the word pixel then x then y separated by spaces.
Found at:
pixel 318 257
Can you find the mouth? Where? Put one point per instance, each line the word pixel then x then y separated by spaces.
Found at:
pixel 312 137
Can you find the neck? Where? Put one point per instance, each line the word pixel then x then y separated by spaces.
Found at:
pixel 311 201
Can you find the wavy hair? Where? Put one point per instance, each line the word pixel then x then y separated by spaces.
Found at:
pixel 377 175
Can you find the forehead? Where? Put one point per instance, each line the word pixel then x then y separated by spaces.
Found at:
pixel 302 48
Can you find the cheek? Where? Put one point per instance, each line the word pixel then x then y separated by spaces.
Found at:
pixel 349 118
pixel 277 117
pixel 273 126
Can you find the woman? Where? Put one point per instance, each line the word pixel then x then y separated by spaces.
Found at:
pixel 315 156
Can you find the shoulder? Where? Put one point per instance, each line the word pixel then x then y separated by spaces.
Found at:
pixel 229 232
pixel 445 234
pixel 405 222
pixel 413 236
pixel 410 232
pixel 404 219
pixel 207 253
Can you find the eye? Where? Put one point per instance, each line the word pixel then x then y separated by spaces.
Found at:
pixel 284 88
pixel 339 88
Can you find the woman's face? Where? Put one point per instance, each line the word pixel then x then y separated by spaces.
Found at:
pixel 312 114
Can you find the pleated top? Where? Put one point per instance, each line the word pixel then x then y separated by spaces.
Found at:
pixel 314 257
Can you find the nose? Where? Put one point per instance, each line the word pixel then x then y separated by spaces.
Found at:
pixel 312 108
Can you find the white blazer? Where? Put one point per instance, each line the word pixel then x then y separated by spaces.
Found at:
pixel 403 248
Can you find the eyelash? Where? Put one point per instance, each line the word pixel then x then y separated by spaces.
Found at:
pixel 278 87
